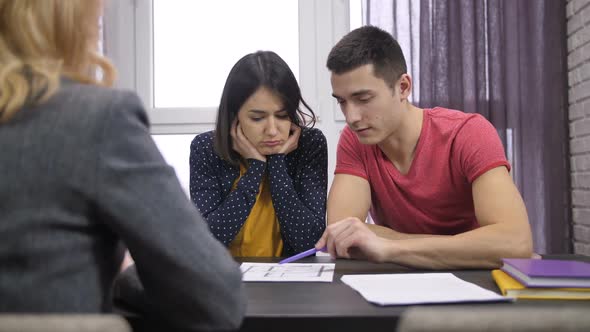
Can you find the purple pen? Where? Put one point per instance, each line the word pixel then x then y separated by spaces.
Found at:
pixel 301 255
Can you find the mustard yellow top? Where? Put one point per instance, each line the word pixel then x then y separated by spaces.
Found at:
pixel 260 235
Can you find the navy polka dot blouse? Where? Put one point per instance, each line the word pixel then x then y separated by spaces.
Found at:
pixel 298 184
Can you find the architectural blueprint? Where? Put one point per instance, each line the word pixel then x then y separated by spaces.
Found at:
pixel 306 272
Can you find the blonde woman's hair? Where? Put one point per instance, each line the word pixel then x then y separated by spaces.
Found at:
pixel 41 40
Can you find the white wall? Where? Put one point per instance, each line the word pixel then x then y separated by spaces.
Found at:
pixel 176 150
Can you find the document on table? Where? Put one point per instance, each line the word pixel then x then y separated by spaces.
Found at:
pixel 415 288
pixel 306 272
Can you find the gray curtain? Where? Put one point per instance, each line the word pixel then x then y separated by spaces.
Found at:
pixel 506 60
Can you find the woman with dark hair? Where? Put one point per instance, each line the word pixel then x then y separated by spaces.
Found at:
pixel 260 179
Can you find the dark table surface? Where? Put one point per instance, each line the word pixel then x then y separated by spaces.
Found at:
pixel 334 306
pixel 301 306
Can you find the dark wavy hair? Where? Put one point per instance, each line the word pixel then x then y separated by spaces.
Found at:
pixel 253 71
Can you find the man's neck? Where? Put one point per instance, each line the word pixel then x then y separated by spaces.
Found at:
pixel 400 146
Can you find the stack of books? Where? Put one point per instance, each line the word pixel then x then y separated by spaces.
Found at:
pixel 544 279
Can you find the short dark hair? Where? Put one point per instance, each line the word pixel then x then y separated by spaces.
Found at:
pixel 251 72
pixel 369 45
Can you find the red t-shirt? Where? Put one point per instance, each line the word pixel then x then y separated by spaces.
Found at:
pixel 434 197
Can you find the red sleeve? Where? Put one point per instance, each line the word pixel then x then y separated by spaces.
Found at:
pixel 348 155
pixel 478 148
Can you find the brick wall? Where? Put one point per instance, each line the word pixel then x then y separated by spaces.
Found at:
pixel 578 50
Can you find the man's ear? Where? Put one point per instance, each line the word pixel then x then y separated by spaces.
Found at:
pixel 405 86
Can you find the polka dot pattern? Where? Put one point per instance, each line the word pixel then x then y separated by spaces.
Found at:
pixel 298 183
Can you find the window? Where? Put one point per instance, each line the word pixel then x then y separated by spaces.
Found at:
pixel 209 37
pixel 355 14
pixel 175 149
pixel 180 79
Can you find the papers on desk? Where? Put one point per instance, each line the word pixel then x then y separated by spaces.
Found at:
pixel 305 272
pixel 415 288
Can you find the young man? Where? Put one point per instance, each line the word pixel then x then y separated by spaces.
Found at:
pixel 435 181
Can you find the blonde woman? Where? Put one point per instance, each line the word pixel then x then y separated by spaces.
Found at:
pixel 80 176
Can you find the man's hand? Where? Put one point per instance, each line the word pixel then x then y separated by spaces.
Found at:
pixel 351 238
pixel 242 145
pixel 292 142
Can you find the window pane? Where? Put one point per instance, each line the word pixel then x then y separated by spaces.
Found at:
pixel 176 151
pixel 197 42
pixel 356 13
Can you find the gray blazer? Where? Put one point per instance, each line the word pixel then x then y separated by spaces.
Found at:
pixel 79 176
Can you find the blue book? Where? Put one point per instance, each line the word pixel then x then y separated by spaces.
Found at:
pixel 548 272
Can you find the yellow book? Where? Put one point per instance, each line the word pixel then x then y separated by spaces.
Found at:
pixel 512 288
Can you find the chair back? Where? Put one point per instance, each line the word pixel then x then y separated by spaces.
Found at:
pixel 63 323
pixel 494 318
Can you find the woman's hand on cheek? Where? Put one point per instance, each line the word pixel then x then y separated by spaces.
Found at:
pixel 293 141
pixel 242 145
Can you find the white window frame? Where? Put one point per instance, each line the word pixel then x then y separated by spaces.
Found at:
pixel 129 44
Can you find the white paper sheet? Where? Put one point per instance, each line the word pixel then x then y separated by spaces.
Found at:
pixel 415 288
pixel 306 272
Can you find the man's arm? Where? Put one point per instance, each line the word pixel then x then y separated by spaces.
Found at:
pixel 504 232
pixel 350 196
pixel 388 233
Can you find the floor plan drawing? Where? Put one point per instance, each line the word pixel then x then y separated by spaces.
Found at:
pixel 304 272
